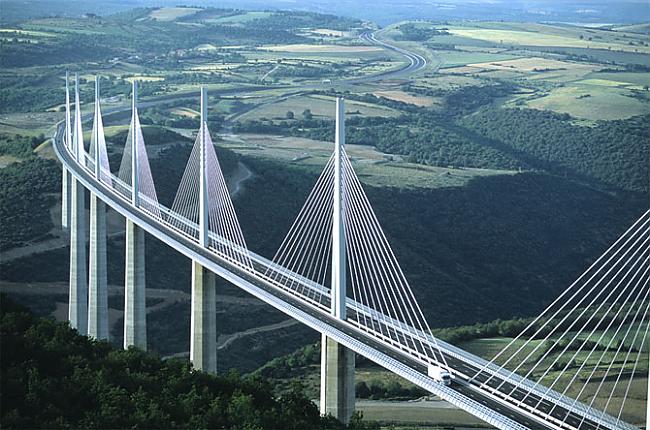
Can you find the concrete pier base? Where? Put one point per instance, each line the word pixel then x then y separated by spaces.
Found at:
pixel 135 319
pixel 66 183
pixel 97 272
pixel 78 297
pixel 203 327
pixel 337 380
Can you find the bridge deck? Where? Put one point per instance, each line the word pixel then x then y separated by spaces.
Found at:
pixel 493 402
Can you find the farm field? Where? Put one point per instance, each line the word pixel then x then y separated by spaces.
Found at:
pixel 527 38
pixel 402 96
pixel 320 107
pixel 585 88
pixel 635 406
pixel 172 13
pixel 462 58
pixel 372 167
pixel 592 100
pixel 301 48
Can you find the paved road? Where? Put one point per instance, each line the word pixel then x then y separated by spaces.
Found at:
pixel 460 368
pixel 416 61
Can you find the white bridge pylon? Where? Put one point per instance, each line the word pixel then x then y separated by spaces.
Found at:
pixel 98 152
pixel 139 187
pixel 372 273
pixel 203 201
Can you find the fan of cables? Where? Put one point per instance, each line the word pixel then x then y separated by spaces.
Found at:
pixel 383 303
pixel 226 236
pixel 591 343
pixel 146 188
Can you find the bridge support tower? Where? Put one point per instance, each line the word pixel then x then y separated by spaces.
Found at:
pixel 337 393
pixel 97 270
pixel 203 325
pixel 78 296
pixel 135 311
pixel 97 276
pixel 135 316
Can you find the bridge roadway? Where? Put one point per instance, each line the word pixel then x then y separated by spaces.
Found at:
pixel 500 410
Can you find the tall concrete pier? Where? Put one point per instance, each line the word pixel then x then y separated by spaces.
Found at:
pixel 66 185
pixel 78 296
pixel 337 362
pixel 647 405
pixel 203 327
pixel 97 271
pixel 135 317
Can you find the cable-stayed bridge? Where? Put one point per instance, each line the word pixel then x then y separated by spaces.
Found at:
pixel 571 368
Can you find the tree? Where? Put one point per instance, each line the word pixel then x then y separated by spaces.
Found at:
pixel 362 390
pixel 306 114
pixel 289 115
pixel 54 378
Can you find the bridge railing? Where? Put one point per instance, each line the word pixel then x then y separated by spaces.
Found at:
pixel 318 296
pixel 312 293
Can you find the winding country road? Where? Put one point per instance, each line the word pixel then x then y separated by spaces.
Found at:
pixel 416 62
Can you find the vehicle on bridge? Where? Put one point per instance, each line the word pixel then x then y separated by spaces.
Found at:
pixel 439 374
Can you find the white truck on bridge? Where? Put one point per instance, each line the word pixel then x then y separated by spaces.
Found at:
pixel 439 374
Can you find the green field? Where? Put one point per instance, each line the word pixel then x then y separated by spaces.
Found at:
pixel 240 18
pixel 634 411
pixel 528 38
pixel 323 107
pixel 583 88
pixel 460 58
pixel 172 13
pixel 592 101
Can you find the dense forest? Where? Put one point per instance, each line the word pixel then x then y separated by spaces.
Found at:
pixel 613 152
pixel 51 377
pixel 412 31
pixel 24 200
pixel 18 145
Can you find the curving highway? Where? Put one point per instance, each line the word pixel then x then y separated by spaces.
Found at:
pixel 503 400
pixel 416 62
pixel 497 402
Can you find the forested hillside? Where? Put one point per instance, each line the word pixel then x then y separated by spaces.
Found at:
pixel 610 154
pixel 53 378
